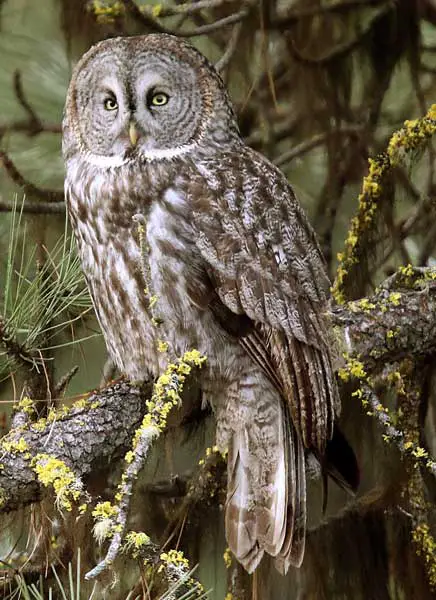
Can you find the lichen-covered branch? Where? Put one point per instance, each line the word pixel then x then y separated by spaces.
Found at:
pixel 397 321
pixel 415 134
pixel 104 423
pixel 166 395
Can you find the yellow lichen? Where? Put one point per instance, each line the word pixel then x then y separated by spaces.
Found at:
pixel 15 446
pixel 419 452
pixel 3 497
pixel 162 346
pixel 135 541
pixel 354 368
pixel 82 403
pixel 156 9
pixel 363 305
pixel 426 548
pixel 406 271
pixel 166 393
pixel 412 135
pixel 227 556
pixel 53 472
pixel 106 11
pixel 58 414
pixel 129 457
pixel 394 298
pixel 213 450
pixel 26 406
pixel 40 425
pixel 175 558
pixel 104 514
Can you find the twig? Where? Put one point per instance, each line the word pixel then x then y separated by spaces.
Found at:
pixel 317 140
pixel 63 382
pixel 34 121
pixel 26 186
pixel 33 125
pixel 392 433
pixel 35 208
pixel 203 486
pixel 145 18
pixel 230 49
pixel 298 14
pixel 148 20
pixel 16 351
pixel 189 9
pixel 166 395
pixel 221 23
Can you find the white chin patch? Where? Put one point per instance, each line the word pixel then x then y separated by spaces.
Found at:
pixel 151 154
pixel 166 153
pixel 105 162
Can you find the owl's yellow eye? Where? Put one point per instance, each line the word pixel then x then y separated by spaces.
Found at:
pixel 159 99
pixel 110 104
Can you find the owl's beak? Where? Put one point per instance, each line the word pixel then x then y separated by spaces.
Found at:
pixel 133 134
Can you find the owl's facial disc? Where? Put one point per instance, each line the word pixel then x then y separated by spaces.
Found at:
pixel 148 97
pixel 149 107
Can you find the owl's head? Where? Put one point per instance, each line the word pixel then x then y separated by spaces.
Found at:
pixel 151 96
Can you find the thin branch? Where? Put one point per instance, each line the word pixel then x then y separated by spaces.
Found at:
pixel 189 9
pixel 166 395
pixel 34 120
pixel 35 208
pixel 221 23
pixel 147 20
pixel 33 125
pixel 230 49
pixel 298 14
pixel 317 140
pixel 26 186
pixel 63 382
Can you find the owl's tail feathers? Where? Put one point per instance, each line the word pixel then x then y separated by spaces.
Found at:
pixel 266 501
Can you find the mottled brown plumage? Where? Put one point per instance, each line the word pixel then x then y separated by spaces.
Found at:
pixel 232 260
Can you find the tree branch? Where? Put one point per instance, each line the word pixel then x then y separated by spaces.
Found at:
pixel 104 423
pixel 391 324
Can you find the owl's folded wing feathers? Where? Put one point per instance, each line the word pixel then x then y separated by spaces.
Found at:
pixel 263 260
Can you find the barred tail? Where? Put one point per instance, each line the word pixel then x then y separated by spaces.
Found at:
pixel 266 501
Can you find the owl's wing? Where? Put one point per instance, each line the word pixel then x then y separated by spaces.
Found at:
pixel 263 260
pixel 263 264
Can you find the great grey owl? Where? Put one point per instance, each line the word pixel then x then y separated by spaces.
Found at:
pixel 232 260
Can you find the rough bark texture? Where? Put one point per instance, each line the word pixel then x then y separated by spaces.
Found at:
pixel 397 321
pixel 83 437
